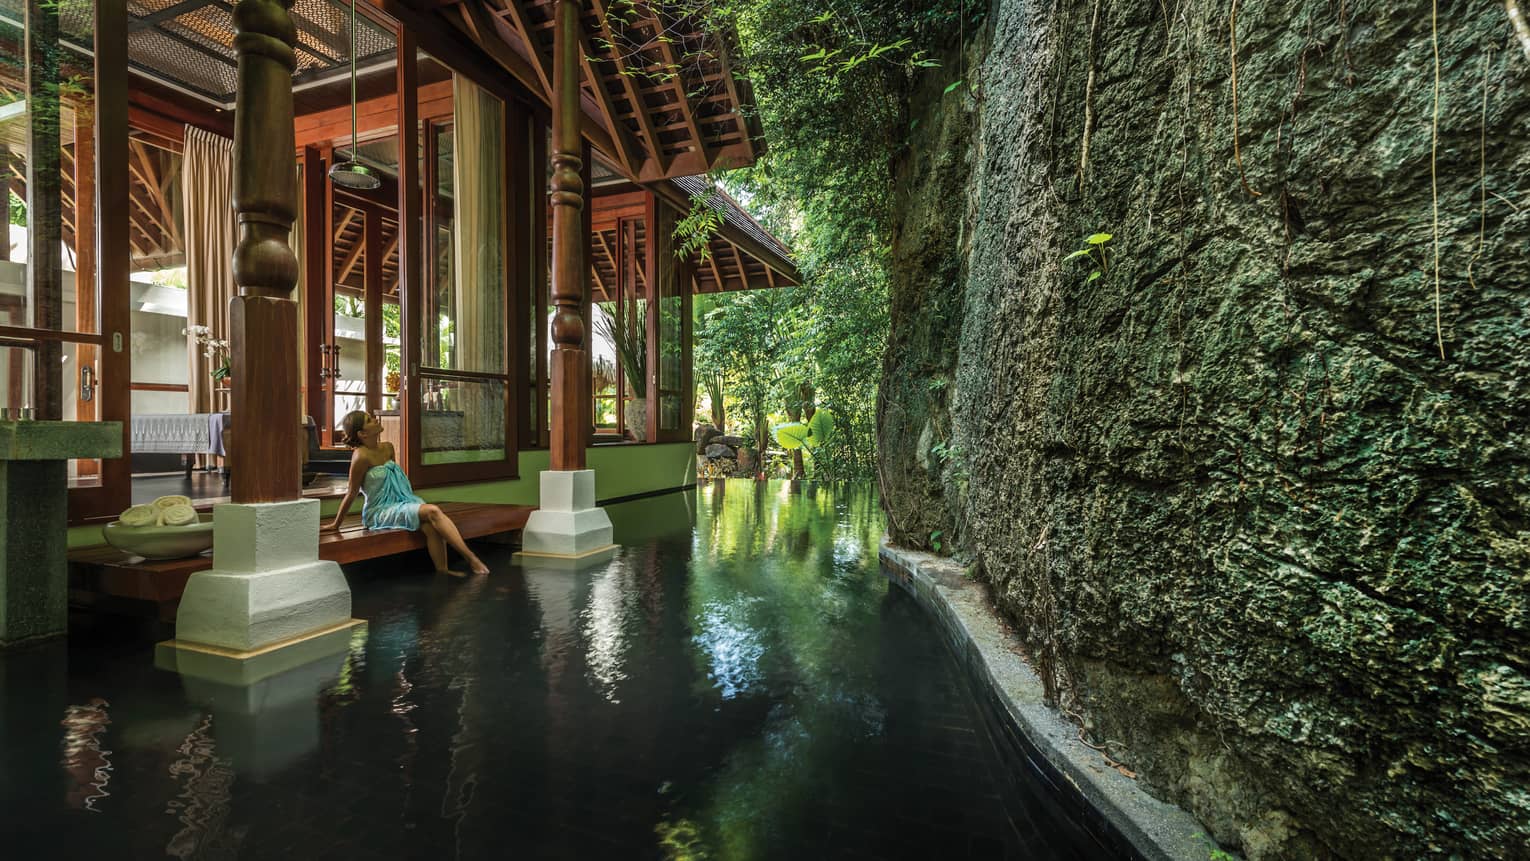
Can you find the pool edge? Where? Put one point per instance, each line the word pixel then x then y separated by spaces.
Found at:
pixel 1150 828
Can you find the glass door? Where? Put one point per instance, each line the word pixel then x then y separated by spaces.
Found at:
pixel 460 394
pixel 64 270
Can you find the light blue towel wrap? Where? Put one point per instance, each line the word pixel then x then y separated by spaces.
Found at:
pixel 390 500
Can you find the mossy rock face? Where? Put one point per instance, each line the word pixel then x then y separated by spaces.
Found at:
pixel 1273 543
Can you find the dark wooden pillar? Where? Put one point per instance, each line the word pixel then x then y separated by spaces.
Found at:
pixel 411 247
pixel 567 430
pixel 85 299
pixel 316 262
pixel 45 216
pixel 264 459
pixel 372 277
pixel 113 252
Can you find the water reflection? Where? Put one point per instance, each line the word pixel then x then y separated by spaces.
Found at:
pixel 202 805
pixel 266 709
pixel 732 648
pixel 738 682
pixel 605 624
pixel 89 767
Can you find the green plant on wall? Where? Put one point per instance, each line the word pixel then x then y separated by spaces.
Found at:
pixel 1094 252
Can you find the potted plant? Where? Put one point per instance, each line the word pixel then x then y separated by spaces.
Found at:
pixel 632 349
pixel 215 350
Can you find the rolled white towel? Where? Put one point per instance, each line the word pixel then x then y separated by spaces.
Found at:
pixel 170 502
pixel 178 515
pixel 139 515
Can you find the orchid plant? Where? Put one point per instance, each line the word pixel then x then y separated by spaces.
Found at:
pixel 214 349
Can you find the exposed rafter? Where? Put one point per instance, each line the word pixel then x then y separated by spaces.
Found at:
pixel 541 60
pixel 629 86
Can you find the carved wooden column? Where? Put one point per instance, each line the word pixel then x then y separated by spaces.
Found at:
pixel 568 384
pixel 568 528
pixel 264 458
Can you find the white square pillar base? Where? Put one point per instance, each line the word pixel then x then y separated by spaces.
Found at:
pixel 567 525
pixel 267 583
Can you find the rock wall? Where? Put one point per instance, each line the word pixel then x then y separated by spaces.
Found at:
pixel 1268 542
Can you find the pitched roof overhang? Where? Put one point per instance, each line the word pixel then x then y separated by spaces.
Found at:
pixel 661 89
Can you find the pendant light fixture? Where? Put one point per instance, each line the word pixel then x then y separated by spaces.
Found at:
pixel 352 173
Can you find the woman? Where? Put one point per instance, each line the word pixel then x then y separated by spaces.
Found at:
pixel 390 502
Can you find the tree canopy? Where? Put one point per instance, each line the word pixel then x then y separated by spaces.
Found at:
pixel 832 93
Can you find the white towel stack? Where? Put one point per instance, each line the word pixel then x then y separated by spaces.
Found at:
pixel 164 511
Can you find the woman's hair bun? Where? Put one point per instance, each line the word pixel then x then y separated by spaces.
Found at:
pixel 350 428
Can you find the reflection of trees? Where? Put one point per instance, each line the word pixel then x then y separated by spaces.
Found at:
pixel 779 601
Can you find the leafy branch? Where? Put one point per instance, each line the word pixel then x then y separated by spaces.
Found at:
pixel 1094 252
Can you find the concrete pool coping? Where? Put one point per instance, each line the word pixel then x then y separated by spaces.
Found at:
pixel 1115 809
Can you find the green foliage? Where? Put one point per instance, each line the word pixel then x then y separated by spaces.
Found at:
pixel 1094 252
pixel 935 542
pixel 631 340
pixel 951 455
pixel 18 210
pixel 832 87
pixel 694 232
pixel 1215 852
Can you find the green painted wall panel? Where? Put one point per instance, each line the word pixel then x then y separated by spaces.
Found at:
pixel 620 470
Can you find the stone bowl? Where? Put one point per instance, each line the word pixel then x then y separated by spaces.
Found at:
pixel 161 542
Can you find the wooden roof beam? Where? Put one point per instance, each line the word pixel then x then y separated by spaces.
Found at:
pixel 677 82
pixel 619 134
pixel 492 42
pixel 477 19
pixel 634 97
pixel 350 261
pixel 716 272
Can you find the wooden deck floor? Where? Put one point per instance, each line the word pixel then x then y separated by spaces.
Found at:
pixel 106 579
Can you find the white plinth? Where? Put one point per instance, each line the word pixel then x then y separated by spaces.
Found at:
pixel 567 525
pixel 267 583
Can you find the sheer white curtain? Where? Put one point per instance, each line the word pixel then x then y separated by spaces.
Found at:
pixel 479 272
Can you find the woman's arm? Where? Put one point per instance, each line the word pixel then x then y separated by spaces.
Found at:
pixel 358 474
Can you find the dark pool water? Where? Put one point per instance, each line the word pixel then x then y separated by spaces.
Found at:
pixel 741 682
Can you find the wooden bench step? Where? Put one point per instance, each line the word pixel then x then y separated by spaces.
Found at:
pixel 109 580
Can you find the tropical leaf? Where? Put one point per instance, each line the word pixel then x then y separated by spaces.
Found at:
pixel 1082 252
pixel 791 435
pixel 1093 276
pixel 952 86
pixel 820 428
pixel 1099 239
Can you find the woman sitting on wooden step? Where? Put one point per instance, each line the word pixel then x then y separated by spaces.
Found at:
pixel 390 502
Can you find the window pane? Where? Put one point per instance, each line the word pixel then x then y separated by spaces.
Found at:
pixel 671 347
pixel 463 421
pixel 58 119
pixel 464 168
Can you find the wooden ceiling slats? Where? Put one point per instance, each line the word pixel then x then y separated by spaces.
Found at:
pixel 638 107
pixel 662 91
pixel 516 16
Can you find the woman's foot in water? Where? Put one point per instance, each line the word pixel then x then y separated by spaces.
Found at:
pixel 458 574
pixel 479 567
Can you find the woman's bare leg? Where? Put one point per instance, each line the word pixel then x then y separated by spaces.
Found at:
pixel 448 530
pixel 435 546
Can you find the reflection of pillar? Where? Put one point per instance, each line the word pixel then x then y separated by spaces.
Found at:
pixel 265 709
